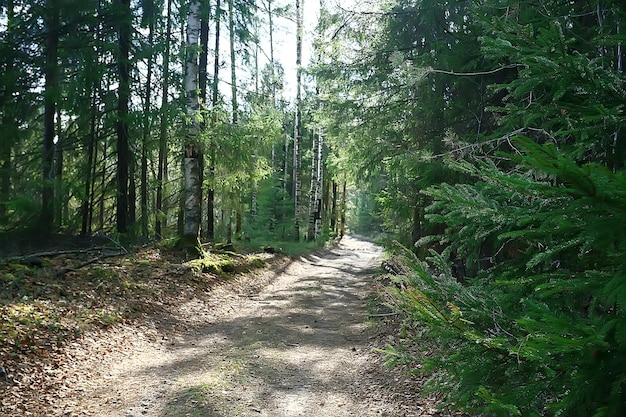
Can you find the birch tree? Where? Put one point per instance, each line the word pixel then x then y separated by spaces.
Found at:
pixel 297 133
pixel 192 160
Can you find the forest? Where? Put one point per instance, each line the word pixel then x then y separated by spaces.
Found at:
pixel 481 142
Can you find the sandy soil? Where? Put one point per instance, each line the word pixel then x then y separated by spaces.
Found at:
pixel 291 341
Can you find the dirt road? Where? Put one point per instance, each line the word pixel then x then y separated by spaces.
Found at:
pixel 301 345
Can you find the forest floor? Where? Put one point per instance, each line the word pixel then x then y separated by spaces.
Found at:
pixel 147 334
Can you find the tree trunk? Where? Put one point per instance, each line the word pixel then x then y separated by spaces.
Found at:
pixel 270 17
pixel 9 123
pixel 313 191
pixel 233 65
pixel 235 105
pixel 87 207
pixel 333 209
pixel 212 146
pixel 204 55
pixel 146 134
pixel 123 151
pixel 51 77
pixel 192 161
pixel 103 181
pixel 298 123
pixel 59 198
pixel 316 186
pixel 342 228
pixel 132 187
pixel 161 218
pixel 5 180
pixel 202 70
pixel 238 216
pixel 416 229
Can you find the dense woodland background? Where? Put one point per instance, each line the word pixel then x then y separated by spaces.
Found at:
pixel 482 141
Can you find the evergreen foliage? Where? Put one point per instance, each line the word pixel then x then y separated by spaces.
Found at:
pixel 496 130
pixel 540 330
pixel 92 117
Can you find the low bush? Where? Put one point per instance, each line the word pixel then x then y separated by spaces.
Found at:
pixel 538 331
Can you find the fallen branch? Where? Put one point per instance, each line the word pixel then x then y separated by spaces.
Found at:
pixel 48 254
pixel 89 262
pixel 383 315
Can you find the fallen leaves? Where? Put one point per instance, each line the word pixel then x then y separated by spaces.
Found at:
pixel 50 326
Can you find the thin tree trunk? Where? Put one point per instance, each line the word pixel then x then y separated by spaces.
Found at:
pixel 59 198
pixel 270 17
pixel 123 150
pixel 326 214
pixel 313 191
pixel 257 48
pixel 284 167
pixel 87 208
pixel 202 70
pixel 253 185
pixel 317 168
pixel 6 168
pixel 233 65
pixel 333 209
pixel 9 124
pixel 132 187
pixel 103 174
pixel 204 55
pixel 51 76
pixel 234 103
pixel 619 49
pixel 161 218
pixel 94 176
pixel 92 148
pixel 5 180
pixel 146 135
pixel 298 123
pixel 212 146
pixel 318 185
pixel 617 153
pixel 342 229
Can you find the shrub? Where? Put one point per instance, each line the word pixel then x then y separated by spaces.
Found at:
pixel 540 331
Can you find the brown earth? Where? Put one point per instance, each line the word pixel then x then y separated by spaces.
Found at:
pixel 295 339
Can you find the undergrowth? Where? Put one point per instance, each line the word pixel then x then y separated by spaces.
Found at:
pixel 539 331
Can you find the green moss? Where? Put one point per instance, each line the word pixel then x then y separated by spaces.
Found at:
pixel 257 262
pixel 212 264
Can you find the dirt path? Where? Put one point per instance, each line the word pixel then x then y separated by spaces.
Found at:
pixel 301 346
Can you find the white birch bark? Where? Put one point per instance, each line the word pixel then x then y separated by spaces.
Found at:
pixel 192 157
pixel 297 124
pixel 191 64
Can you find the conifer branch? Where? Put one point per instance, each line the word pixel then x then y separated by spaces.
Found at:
pixel 431 70
pixel 506 137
